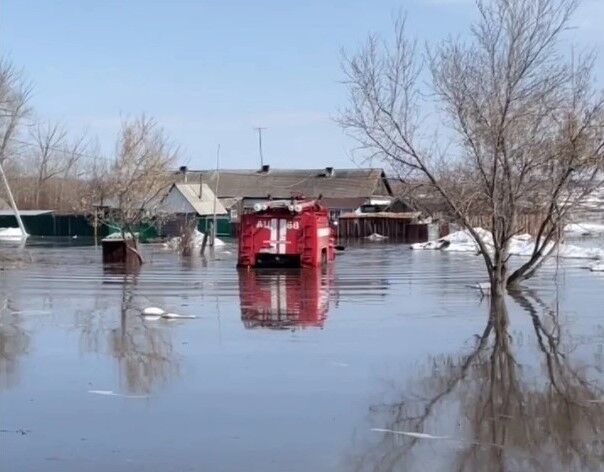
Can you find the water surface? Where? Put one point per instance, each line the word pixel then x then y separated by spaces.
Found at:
pixel 295 370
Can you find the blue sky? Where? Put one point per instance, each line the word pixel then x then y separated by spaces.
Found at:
pixel 210 71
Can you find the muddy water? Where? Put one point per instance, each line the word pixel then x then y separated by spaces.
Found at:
pixel 335 370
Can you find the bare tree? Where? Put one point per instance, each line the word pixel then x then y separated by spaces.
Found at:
pixel 49 141
pixel 139 175
pixel 14 97
pixel 526 123
pixel 49 172
pixel 69 190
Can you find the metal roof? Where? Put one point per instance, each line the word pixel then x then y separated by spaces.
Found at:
pixel 283 183
pixel 10 212
pixel 190 192
pixel 409 215
pixel 351 203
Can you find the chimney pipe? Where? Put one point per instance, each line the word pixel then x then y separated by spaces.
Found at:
pixel 183 171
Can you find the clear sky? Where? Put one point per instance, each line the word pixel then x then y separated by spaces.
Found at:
pixel 210 71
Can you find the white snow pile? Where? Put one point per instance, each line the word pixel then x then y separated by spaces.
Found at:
pixel 594 201
pixel 111 393
pixel 484 287
pixel 520 245
pixel 153 313
pixel 117 235
pixel 376 237
pixel 174 243
pixel 458 241
pixel 12 234
pixel 584 229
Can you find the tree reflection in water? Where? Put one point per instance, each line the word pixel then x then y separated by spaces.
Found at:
pixel 506 420
pixel 144 351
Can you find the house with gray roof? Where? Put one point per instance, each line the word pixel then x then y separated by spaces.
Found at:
pixel 191 199
pixel 187 204
pixel 341 190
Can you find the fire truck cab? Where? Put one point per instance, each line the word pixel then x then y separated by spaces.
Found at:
pixel 286 233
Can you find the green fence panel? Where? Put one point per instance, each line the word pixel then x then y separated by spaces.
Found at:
pixel 223 225
pixel 50 224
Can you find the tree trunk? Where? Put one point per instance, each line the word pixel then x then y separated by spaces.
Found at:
pixel 134 249
pixel 499 273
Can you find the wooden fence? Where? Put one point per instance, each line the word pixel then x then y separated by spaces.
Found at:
pixel 396 229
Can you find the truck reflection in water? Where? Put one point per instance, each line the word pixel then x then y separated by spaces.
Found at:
pixel 285 299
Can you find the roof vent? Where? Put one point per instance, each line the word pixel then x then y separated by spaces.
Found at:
pixel 265 169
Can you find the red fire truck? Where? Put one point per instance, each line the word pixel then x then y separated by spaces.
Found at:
pixel 286 233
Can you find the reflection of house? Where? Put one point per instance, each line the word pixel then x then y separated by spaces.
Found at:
pixel 186 202
pixel 342 190
pixel 284 299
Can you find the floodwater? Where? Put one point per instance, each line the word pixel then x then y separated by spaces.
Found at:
pixel 388 361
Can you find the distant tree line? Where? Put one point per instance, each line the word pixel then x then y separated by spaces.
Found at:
pixel 50 168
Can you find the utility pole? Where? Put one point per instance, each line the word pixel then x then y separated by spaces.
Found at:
pixel 259 129
pixel 214 221
pixel 11 200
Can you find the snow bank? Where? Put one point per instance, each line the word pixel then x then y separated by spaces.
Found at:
pixel 458 241
pixel 12 234
pixel 584 229
pixel 569 251
pixel 520 245
pixel 118 235
pixel 376 237
pixel 153 313
pixel 174 243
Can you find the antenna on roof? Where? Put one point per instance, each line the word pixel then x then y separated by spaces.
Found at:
pixel 259 129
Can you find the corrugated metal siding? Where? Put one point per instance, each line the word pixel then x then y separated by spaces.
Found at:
pixel 51 225
pixel 223 224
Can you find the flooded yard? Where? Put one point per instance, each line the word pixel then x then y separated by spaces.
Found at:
pixel 389 360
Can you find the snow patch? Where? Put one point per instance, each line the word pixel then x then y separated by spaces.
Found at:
pixel 411 434
pixel 376 237
pixel 584 229
pixel 597 268
pixel 111 393
pixel 117 235
pixel 174 243
pixel 520 245
pixel 484 287
pixel 12 234
pixel 152 311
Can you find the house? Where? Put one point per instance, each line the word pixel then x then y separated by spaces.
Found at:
pixel 191 199
pixel 186 202
pixel 341 190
